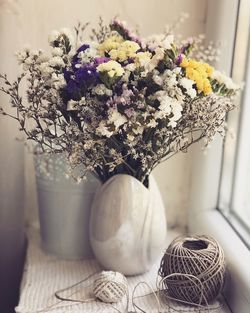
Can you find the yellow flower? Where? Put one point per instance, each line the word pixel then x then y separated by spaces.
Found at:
pixel 190 73
pixel 125 50
pixel 202 71
pixel 118 55
pixel 142 58
pixel 200 84
pixel 112 68
pixel 198 72
pixel 207 89
pixel 110 43
pixel 209 69
pixel 194 64
pixel 130 47
pixel 184 63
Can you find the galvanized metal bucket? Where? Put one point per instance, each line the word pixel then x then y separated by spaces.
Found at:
pixel 64 208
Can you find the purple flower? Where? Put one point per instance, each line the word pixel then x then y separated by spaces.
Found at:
pixel 179 59
pixel 72 90
pixel 82 48
pixel 129 112
pixel 124 31
pixel 130 60
pixel 100 60
pixel 185 48
pixel 83 73
pixel 79 81
pixel 67 75
pixel 75 58
pixel 86 75
pixel 81 77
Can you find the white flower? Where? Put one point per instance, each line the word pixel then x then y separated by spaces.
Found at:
pixel 177 70
pixel 159 55
pixel 144 73
pixel 152 123
pixel 102 90
pixel 71 105
pixel 168 41
pixel 125 77
pixel 67 32
pixel 28 62
pixel 162 41
pixel 116 118
pixel 45 69
pixel 169 79
pixel 103 130
pixel 154 41
pixel 130 137
pixel 42 58
pixel 158 80
pixel 57 35
pixel 138 130
pixel 57 51
pixel 192 93
pixel 22 55
pixel 172 81
pixel 168 107
pixel 58 80
pixel 224 79
pixel 188 85
pixel 165 105
pixel 53 36
pixel 86 55
pixel 177 113
pixel 130 67
pixel 82 101
pixel 56 62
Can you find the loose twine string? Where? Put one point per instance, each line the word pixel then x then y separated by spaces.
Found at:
pixel 160 295
pixel 190 263
pixel 57 296
pixel 62 299
pixel 164 300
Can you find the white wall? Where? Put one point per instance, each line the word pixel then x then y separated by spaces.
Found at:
pixel 34 20
pixel 206 168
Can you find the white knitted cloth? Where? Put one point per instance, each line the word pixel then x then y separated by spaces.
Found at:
pixel 45 274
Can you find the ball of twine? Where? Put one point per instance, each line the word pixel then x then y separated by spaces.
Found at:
pixel 110 287
pixel 193 270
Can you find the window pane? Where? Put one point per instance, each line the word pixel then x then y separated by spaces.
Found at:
pixel 241 187
pixel 234 194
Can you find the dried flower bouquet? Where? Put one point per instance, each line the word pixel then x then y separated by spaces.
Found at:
pixel 119 103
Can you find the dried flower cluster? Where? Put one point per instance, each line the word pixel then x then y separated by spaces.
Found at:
pixel 118 103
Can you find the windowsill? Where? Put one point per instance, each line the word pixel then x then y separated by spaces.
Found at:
pixel 237 289
pixel 240 229
pixel 44 274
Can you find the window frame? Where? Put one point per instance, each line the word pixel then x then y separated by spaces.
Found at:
pixel 203 213
pixel 229 161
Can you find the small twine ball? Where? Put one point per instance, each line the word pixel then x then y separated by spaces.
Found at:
pixel 110 287
pixel 193 269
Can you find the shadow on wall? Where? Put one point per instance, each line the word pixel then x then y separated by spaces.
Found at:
pixel 11 269
pixel 12 238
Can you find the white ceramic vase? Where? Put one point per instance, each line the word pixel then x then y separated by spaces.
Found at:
pixel 127 225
